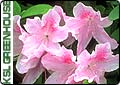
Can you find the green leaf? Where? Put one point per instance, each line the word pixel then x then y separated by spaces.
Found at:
pixel 85 82
pixel 114 14
pixel 22 12
pixel 16 8
pixel 39 80
pixel 36 10
pixel 115 35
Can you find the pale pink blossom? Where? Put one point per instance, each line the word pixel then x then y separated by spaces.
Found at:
pixel 33 74
pixel 62 66
pixel 41 48
pixel 62 14
pixel 32 67
pixel 45 32
pixel 88 23
pixel 28 57
pixel 70 39
pixel 40 36
pixel 17 44
pixel 93 67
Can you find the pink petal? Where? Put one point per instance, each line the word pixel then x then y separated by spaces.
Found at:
pixel 51 16
pixel 17 44
pixel 33 26
pixel 33 40
pixel 101 80
pixel 73 25
pixel 105 22
pixel 51 47
pixel 31 44
pixel 63 60
pixel 110 64
pixel 51 62
pixel 20 68
pixel 83 58
pixel 59 35
pixel 16 23
pixel 81 11
pixel 101 36
pixel 67 56
pixel 24 35
pixel 40 51
pixel 84 73
pixel 33 74
pixel 24 64
pixel 83 41
pixel 56 78
pixel 61 13
pixel 29 63
pixel 54 63
pixel 59 10
pixel 102 51
pixel 71 80
pixel 105 47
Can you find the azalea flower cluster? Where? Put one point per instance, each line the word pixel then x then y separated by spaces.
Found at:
pixel 41 47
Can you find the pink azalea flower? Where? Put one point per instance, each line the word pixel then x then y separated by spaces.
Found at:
pixel 93 67
pixel 34 70
pixel 63 66
pixel 17 44
pixel 70 39
pixel 88 23
pixel 32 67
pixel 47 32
pixel 61 13
pixel 42 36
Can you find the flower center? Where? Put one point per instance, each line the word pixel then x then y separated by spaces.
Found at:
pixel 48 29
pixel 46 36
pixel 91 65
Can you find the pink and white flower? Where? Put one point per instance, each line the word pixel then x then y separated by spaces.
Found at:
pixel 41 48
pixel 93 67
pixel 62 66
pixel 41 36
pixel 88 23
pixel 45 33
pixel 31 66
pixel 17 44
pixel 70 39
